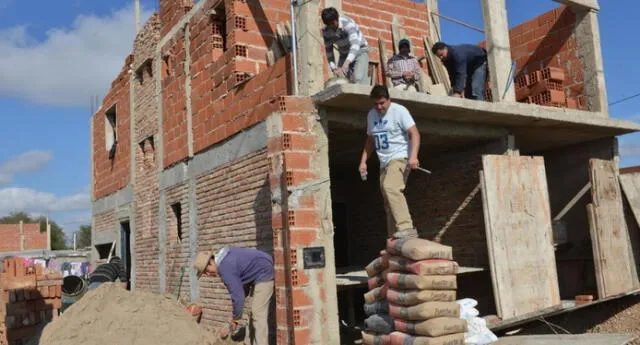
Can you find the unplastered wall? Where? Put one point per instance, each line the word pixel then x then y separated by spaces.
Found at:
pixel 111 175
pixel 549 40
pixel 375 17
pixel 234 209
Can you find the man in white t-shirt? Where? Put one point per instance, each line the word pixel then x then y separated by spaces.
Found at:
pixel 393 134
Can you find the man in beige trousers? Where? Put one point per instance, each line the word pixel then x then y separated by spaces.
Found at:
pixel 392 132
pixel 238 267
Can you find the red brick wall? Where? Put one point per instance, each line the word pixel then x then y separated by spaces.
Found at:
pixel 234 208
pixel 33 238
pixel 174 100
pixel 171 11
pixel 111 175
pixel 146 105
pixel 374 17
pixel 177 249
pixel 146 188
pixel 105 221
pixel 230 108
pixel 550 40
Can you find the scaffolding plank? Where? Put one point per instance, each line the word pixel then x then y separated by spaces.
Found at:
pixel 613 257
pixel 519 234
pixel 383 61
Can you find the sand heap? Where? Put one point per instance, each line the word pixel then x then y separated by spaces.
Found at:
pixel 111 315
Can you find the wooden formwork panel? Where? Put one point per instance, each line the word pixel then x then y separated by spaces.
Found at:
pixel 519 234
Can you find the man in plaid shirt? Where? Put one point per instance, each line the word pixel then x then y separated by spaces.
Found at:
pixel 345 34
pixel 404 69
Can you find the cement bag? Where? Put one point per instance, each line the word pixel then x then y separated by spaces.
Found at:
pixel 432 327
pixel 375 282
pixel 425 311
pixel 413 297
pixel 380 307
pixel 378 265
pixel 423 267
pixel 380 324
pixel 418 249
pixel 371 339
pixel 376 294
pixel 398 338
pixel 412 281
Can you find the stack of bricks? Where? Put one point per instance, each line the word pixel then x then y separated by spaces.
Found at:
pixel 543 87
pixel 30 299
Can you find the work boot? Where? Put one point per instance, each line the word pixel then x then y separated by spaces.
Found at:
pixel 408 233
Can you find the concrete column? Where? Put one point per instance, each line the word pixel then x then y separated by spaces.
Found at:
pixel 193 238
pixel 310 47
pixel 496 29
pixel 21 234
pixel 434 22
pixel 187 88
pixel 590 55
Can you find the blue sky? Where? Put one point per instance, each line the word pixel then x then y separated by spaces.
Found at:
pixel 54 55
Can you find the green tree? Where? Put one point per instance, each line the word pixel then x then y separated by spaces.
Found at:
pixel 58 240
pixel 84 236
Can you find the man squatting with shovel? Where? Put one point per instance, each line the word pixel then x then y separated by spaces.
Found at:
pixel 238 267
pixel 392 132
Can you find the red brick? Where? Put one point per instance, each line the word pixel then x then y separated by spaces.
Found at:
pixel 297 160
pixel 302 238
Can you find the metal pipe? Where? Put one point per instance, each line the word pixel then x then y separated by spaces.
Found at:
pixel 458 22
pixel 294 47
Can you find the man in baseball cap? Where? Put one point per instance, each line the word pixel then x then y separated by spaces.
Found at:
pixel 403 68
pixel 238 267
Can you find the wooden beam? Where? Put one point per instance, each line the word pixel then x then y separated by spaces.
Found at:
pixel 587 4
pixel 383 61
pixel 573 201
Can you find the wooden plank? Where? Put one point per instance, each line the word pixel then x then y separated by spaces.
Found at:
pixel 631 188
pixel 613 257
pixel 438 67
pixel 568 339
pixel 395 34
pixel 519 234
pixel 383 61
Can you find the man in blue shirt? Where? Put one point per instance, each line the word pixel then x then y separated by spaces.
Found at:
pixel 237 267
pixel 467 67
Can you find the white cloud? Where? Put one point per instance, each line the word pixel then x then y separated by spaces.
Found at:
pixel 17 199
pixel 31 161
pixel 71 64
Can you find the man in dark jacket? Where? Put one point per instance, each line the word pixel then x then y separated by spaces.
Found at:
pixel 467 67
pixel 237 267
pixel 109 272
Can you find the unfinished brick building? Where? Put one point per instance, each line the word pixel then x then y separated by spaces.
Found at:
pixel 202 143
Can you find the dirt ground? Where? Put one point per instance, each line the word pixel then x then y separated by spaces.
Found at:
pixel 619 316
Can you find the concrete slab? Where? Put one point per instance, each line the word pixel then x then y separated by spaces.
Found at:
pixel 535 128
pixel 568 339
pixel 590 4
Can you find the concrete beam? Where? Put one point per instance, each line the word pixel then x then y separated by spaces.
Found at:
pixel 118 199
pixel 585 4
pixel 426 126
pixel 496 28
pixel 590 55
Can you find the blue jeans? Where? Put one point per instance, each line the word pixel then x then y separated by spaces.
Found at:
pixel 476 83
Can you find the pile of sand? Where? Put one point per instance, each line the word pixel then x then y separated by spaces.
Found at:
pixel 111 315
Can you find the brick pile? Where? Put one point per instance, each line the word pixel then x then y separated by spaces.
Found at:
pixel 412 296
pixel 31 298
pixel 544 87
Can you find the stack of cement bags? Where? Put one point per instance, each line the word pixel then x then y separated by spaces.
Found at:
pixel 411 298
